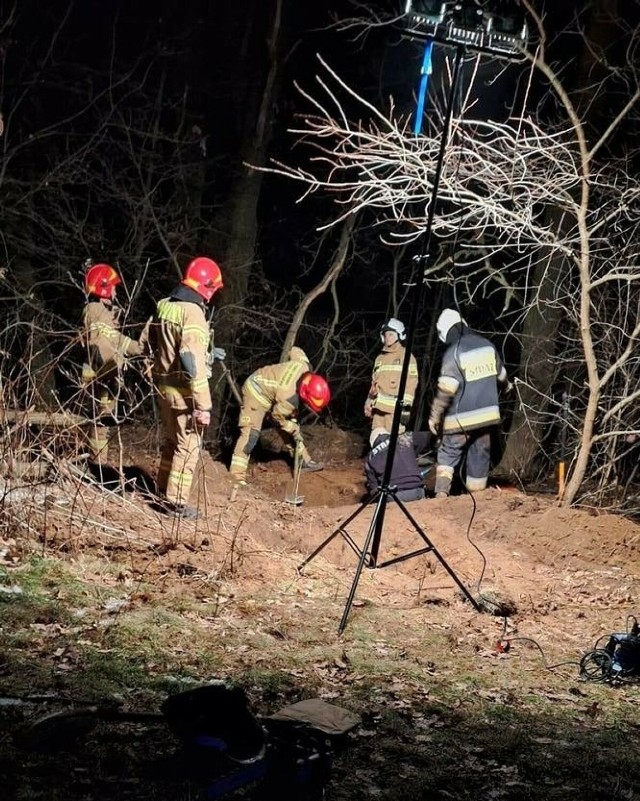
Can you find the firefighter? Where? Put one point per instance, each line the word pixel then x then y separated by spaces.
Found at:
pixel 277 390
pixel 180 339
pixel 106 350
pixel 465 408
pixel 385 380
pixel 406 475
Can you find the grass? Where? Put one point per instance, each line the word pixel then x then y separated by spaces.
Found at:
pixel 440 721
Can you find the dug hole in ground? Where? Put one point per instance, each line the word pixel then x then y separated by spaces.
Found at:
pixel 104 598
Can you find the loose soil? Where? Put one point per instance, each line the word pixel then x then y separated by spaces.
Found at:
pixel 455 702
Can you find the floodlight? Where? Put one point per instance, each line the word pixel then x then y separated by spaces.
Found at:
pixel 466 16
pixel 431 11
pixel 497 27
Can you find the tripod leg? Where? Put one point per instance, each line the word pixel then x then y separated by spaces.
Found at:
pixel 438 555
pixel 335 532
pixel 380 506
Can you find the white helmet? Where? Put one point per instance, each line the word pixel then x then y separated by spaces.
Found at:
pixel 448 318
pixel 396 326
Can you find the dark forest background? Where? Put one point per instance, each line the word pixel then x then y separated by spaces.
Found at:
pixel 129 131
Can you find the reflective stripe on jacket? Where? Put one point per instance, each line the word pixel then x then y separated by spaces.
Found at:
pixel 470 372
pixel 180 335
pixel 104 344
pixel 274 388
pixel 385 379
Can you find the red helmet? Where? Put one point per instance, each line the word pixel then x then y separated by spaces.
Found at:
pixel 101 280
pixel 204 276
pixel 314 391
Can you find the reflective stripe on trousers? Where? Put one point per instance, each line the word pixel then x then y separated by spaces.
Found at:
pixel 96 434
pixel 477 445
pixel 251 419
pixel 180 452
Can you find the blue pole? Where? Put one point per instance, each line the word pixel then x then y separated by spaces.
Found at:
pixel 425 72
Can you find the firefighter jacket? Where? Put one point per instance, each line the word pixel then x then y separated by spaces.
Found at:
pixel 468 383
pixel 104 344
pixel 180 341
pixel 405 472
pixel 385 379
pixel 275 388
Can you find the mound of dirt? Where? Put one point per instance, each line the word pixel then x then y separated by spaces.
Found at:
pixel 266 583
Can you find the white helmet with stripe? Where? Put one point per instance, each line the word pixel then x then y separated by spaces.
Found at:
pixel 396 326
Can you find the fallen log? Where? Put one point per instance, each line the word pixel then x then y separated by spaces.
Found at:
pixel 30 417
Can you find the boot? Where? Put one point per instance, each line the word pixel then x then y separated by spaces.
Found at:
pixel 311 466
pixel 444 476
pixel 185 512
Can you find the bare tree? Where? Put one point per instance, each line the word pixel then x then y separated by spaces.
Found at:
pixel 535 200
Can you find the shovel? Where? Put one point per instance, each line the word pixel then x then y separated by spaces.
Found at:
pixel 232 384
pixel 293 497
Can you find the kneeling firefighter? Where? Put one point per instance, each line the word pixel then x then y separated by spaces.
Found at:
pixel 277 390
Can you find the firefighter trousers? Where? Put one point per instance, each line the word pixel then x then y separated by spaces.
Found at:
pixel 180 453
pixel 384 420
pixel 99 406
pixel 477 445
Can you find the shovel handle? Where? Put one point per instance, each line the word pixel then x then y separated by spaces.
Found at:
pixel 293 497
pixel 232 384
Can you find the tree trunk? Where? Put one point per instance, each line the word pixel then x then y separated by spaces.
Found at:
pixel 537 373
pixel 538 363
pixel 331 276
pixel 237 225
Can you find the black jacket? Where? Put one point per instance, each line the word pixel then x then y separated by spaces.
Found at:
pixel 405 473
pixel 470 373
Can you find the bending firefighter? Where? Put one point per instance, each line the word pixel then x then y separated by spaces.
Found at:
pixel 180 343
pixel 277 390
pixel 385 380
pixel 106 349
pixel 466 403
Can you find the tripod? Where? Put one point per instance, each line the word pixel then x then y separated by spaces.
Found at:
pixel 369 553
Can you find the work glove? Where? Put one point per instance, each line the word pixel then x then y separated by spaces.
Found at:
pixel 202 417
pixel 292 428
pixel 507 387
pixel 218 355
pixel 88 373
pixel 404 417
pixel 438 409
pixel 368 407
